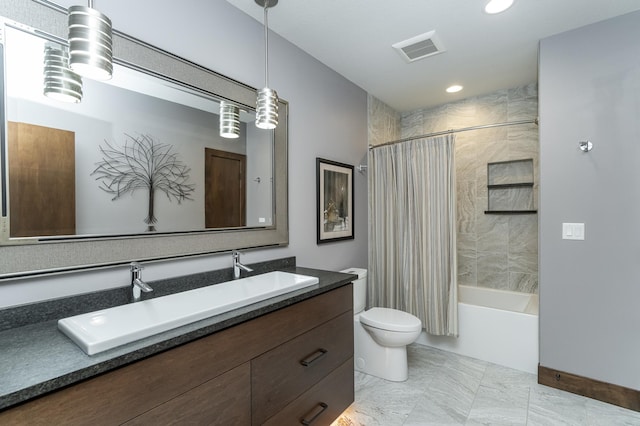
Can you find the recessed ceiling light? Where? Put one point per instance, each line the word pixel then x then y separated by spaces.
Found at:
pixel 497 6
pixel 454 89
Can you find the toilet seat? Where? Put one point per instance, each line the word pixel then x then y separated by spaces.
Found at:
pixel 391 320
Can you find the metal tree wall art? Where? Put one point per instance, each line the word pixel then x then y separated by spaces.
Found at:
pixel 143 164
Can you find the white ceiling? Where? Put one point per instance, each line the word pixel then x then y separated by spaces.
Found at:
pixel 484 52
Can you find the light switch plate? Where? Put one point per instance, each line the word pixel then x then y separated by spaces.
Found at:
pixel 573 231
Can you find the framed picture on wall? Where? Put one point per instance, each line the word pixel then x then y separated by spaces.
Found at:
pixel 334 207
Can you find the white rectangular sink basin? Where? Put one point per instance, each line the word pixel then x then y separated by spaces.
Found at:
pixel 101 330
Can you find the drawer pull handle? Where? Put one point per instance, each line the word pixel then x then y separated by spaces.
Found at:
pixel 313 357
pixel 322 406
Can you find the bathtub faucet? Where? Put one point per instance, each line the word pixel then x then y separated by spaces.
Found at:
pixel 237 266
pixel 137 285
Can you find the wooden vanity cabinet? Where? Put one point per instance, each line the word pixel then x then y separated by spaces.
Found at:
pixel 251 373
pixel 223 400
pixel 322 403
pixel 282 374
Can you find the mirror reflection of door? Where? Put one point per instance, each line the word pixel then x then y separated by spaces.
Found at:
pixel 225 189
pixel 42 181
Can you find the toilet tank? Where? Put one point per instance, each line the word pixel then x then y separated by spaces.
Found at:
pixel 359 289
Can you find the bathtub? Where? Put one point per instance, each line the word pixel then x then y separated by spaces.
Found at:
pixel 497 326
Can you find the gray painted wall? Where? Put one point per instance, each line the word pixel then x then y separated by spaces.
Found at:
pixel 590 290
pixel 328 118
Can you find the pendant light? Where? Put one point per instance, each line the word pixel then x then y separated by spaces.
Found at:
pixel 90 42
pixel 267 102
pixel 229 120
pixel 60 83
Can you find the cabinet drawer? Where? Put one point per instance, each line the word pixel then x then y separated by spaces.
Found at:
pixel 281 374
pixel 225 400
pixel 321 404
pixel 283 325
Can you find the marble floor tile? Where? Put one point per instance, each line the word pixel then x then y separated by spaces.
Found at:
pixel 499 406
pixel 448 389
pixel 430 412
pixel 505 378
pixel 548 406
pixel 603 414
pixel 423 366
pixel 381 402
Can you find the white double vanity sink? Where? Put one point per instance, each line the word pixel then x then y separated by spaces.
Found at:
pixel 105 329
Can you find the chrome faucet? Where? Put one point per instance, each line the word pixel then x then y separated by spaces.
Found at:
pixel 237 266
pixel 137 285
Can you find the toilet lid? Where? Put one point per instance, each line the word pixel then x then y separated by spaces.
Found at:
pixel 390 319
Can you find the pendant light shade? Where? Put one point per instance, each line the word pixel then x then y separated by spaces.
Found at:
pixel 229 120
pixel 267 101
pixel 60 83
pixel 267 109
pixel 90 43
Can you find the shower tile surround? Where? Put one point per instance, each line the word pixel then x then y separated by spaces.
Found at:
pixel 496 251
pixel 383 122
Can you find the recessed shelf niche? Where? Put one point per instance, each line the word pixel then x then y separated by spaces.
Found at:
pixel 510 187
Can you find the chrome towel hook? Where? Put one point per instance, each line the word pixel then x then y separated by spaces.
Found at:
pixel 585 146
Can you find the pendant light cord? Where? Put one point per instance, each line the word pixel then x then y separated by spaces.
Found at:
pixel 266 44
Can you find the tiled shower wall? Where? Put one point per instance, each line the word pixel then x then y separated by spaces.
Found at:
pixel 497 251
pixel 383 122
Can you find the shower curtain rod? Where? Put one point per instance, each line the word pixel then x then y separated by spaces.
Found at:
pixel 464 129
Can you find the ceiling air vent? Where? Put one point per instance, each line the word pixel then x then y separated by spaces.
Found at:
pixel 419 47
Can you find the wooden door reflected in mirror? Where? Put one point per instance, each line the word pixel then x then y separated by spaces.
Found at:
pixel 41 180
pixel 225 189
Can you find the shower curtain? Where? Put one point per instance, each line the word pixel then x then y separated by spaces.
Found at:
pixel 412 231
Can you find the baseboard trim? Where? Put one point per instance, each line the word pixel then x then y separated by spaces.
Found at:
pixel 602 391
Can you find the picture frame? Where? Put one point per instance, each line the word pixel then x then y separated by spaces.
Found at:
pixel 334 201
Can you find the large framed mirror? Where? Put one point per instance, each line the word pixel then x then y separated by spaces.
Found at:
pixel 75 176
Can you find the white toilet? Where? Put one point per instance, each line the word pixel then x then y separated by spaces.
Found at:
pixel 381 334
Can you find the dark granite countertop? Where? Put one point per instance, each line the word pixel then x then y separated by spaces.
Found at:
pixel 36 358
